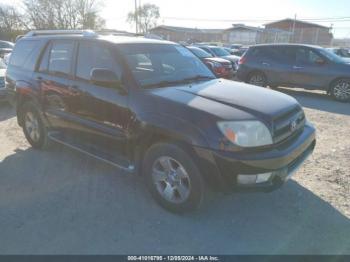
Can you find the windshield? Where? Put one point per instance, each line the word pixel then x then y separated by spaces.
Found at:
pixel 219 51
pixel 331 56
pixel 200 52
pixel 163 64
pixel 2 64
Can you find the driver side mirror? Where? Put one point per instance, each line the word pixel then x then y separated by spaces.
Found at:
pixel 106 78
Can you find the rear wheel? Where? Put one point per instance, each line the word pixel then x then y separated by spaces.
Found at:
pixel 257 79
pixel 340 90
pixel 173 178
pixel 33 126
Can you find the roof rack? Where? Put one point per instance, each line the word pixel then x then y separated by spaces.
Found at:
pixel 85 33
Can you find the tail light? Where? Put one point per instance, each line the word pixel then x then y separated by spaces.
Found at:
pixel 243 60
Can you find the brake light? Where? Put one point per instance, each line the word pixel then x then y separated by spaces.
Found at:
pixel 243 60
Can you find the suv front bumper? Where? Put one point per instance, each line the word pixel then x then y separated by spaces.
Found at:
pixel 277 164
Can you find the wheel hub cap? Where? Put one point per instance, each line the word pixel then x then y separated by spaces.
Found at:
pixel 171 180
pixel 342 90
pixel 32 126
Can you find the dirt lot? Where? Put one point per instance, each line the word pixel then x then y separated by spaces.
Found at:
pixel 63 202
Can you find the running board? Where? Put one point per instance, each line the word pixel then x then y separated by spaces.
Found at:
pixel 112 158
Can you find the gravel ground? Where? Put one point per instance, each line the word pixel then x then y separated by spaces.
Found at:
pixel 62 202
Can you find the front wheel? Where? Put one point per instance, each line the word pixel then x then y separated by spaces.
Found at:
pixel 340 90
pixel 173 178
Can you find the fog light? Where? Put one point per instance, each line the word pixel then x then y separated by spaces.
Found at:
pixel 246 179
pixel 262 178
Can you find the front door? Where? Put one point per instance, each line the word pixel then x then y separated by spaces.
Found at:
pixel 310 69
pixel 103 110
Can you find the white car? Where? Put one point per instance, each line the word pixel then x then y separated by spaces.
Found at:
pixel 2 80
pixel 7 58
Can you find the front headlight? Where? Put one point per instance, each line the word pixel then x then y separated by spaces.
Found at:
pixel 246 133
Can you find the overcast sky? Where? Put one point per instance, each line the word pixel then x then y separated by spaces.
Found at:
pixel 203 12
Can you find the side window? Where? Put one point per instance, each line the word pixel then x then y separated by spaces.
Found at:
pixel 25 54
pixel 95 55
pixel 60 57
pixel 306 56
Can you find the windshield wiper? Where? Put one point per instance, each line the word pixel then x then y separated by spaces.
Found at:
pixel 178 82
pixel 164 84
pixel 197 78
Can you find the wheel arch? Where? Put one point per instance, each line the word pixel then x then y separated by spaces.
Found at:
pixel 330 85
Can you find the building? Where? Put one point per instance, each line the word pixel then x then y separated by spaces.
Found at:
pixel 184 34
pixel 242 34
pixel 303 32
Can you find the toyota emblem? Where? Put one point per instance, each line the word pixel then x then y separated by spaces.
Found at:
pixel 293 125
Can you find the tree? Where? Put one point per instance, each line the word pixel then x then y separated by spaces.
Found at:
pixel 63 14
pixel 146 17
pixel 10 19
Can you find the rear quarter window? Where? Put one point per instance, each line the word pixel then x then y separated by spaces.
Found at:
pixel 25 54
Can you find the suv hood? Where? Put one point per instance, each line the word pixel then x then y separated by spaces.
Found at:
pixel 230 100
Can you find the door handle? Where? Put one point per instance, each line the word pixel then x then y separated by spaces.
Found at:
pixel 265 64
pixel 298 67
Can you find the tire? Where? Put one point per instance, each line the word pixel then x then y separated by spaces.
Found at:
pixel 33 126
pixel 178 189
pixel 340 90
pixel 257 79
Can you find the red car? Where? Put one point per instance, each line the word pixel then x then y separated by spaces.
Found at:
pixel 220 67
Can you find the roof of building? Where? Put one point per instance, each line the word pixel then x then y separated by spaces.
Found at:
pixel 246 27
pixel 298 22
pixel 188 29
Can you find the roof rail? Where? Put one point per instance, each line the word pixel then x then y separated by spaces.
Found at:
pixel 85 33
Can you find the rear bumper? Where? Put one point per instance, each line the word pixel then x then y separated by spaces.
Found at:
pixel 224 168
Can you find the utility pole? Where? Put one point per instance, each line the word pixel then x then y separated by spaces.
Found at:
pixel 293 31
pixel 136 18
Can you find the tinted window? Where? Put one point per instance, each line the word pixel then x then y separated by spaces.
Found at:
pixel 94 55
pixel 61 55
pixel 25 54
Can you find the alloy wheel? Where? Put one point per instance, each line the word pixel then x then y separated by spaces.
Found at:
pixel 171 179
pixel 341 90
pixel 257 80
pixel 31 125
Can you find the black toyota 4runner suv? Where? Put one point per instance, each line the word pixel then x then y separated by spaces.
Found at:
pixel 153 108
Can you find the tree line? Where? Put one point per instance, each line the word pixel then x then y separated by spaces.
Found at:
pixel 48 14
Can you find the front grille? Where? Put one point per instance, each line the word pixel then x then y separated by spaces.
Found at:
pixel 287 124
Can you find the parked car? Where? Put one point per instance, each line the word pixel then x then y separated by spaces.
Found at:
pixel 221 52
pixel 152 107
pixel 5 47
pixel 294 65
pixel 220 67
pixel 240 52
pixel 7 58
pixel 2 80
pixel 342 52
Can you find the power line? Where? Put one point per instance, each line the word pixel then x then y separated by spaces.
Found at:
pixel 329 19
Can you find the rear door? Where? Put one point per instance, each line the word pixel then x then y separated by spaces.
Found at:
pixel 277 63
pixel 54 75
